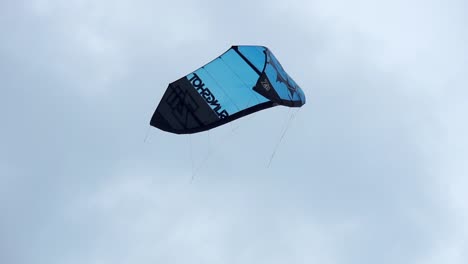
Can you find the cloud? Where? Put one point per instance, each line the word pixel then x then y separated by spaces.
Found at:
pixel 371 169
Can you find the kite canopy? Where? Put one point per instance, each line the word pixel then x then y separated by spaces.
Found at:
pixel 241 81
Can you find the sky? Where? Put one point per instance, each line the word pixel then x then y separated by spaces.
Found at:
pixel 371 170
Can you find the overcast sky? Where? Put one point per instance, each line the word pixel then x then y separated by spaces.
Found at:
pixel 373 169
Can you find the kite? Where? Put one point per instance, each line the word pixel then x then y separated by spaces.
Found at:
pixel 241 81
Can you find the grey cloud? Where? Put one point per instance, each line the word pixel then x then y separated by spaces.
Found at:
pixel 354 181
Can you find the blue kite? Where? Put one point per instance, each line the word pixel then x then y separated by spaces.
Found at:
pixel 241 81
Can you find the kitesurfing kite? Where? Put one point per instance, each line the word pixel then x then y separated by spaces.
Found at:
pixel 241 81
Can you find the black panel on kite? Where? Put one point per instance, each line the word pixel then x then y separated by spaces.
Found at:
pixel 241 81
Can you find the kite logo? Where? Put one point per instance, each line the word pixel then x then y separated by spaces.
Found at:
pixel 281 75
pixel 182 104
pixel 266 85
pixel 208 96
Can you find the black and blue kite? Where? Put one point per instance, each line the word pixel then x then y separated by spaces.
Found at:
pixel 241 81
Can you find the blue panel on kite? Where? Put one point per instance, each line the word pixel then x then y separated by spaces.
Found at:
pixel 241 81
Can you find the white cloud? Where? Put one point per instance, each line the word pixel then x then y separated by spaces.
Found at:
pixel 372 169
